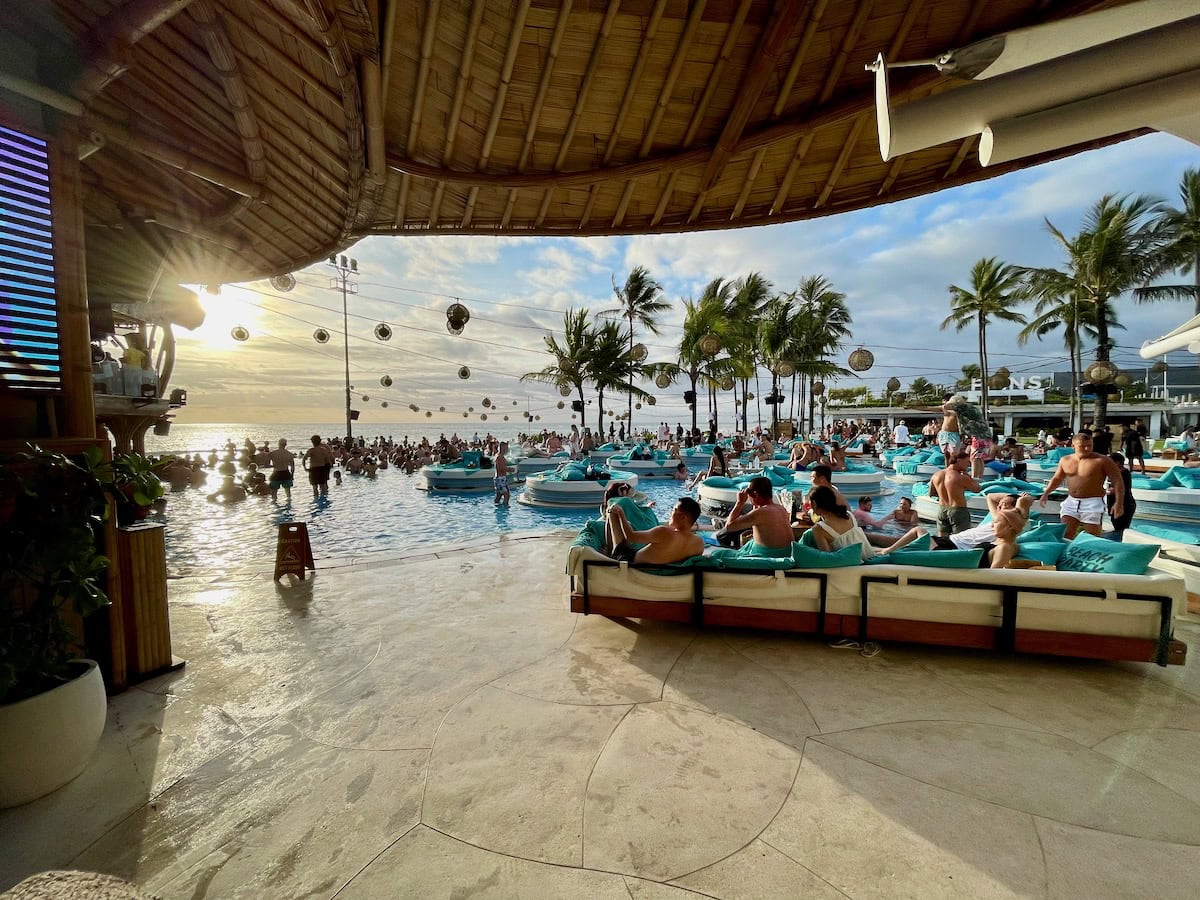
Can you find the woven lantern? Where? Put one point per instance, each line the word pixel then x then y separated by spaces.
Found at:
pixel 1122 381
pixel 464 373
pixel 1100 372
pixel 818 388
pixel 283 283
pixel 1159 367
pixel 386 381
pixel 458 314
pixel 383 331
pixel 321 336
pixel 565 395
pixel 239 333
pixel 470 409
pixel 561 405
pixel 727 383
pixel 651 400
pixel 893 385
pixel 785 369
pixel 506 418
pixel 428 414
pixel 710 344
pixel 441 409
pixel 414 407
pixel 663 380
pixel 637 406
pixel 638 352
pixel 539 418
pixel 465 415
pixel 751 396
pixel 483 417
pixel 366 399
pixel 487 401
pixel 455 328
pixel 384 404
pixel 862 359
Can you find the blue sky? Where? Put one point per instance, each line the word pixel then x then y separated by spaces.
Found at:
pixel 894 262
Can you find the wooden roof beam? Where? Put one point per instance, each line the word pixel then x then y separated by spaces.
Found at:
pixel 414 127
pixel 762 66
pixel 843 158
pixel 489 137
pixel 106 50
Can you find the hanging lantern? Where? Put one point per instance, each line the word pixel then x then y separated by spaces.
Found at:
pixel 414 407
pixel 1123 381
pixel 383 405
pixel 750 397
pixel 515 402
pixel 454 329
pixel 239 333
pixel 637 406
pixel 785 369
pixel 465 415
pixel 638 352
pixel 818 388
pixel 483 417
pixel 506 418
pixel 561 405
pixel 610 412
pixel 428 414
pixel 1158 368
pixel 441 409
pixel 366 399
pixel 464 373
pixel 651 400
pixel 862 359
pixel 727 383
pixel 458 313
pixel 487 401
pixel 386 381
pixel 283 283
pixel 470 409
pixel 663 381
pixel 321 336
pixel 1100 372
pixel 383 331
pixel 539 418
pixel 893 385
pixel 710 344
pixel 563 390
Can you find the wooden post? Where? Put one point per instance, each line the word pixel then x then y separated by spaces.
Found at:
pixel 143 568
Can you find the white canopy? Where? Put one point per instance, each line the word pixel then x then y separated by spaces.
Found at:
pixel 1186 335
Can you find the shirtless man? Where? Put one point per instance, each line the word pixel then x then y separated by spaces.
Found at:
pixel 949 438
pixel 950 486
pixel 1085 471
pixel 769 521
pixel 283 469
pixel 319 462
pixel 500 482
pixel 670 543
pixel 837 457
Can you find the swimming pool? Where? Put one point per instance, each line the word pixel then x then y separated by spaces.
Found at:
pixel 388 514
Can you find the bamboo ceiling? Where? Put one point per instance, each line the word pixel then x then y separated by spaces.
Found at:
pixel 241 138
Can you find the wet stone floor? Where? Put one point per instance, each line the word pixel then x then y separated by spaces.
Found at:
pixel 443 726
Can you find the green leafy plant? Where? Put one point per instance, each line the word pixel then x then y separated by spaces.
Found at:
pixel 50 510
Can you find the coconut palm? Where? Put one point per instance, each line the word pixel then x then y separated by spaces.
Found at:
pixel 1059 306
pixel 1123 245
pixel 702 317
pixel 775 347
pixel 640 303
pixel 994 287
pixel 571 355
pixel 819 328
pixel 1184 247
pixel 921 389
pixel 609 365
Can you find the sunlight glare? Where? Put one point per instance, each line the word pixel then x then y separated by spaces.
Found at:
pixel 221 313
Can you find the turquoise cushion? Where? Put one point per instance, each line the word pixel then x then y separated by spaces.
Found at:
pixel 935 559
pixel 1041 533
pixel 804 557
pixel 735 559
pixel 1088 553
pixel 1045 552
pixel 640 518
pixel 809 538
pixel 719 481
pixel 573 473
pixel 591 535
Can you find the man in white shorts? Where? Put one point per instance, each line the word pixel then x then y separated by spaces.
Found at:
pixel 1085 472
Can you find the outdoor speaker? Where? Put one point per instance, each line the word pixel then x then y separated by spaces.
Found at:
pixel 577 406
pixel 689 397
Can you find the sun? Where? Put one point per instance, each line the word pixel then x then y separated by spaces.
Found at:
pixel 223 313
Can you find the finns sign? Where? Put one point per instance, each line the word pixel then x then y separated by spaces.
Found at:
pixel 1031 387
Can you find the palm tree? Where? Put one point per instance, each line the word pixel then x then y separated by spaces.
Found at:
pixel 640 302
pixel 1059 306
pixel 1123 245
pixel 921 389
pixel 1184 248
pixel 775 333
pixel 571 356
pixel 609 365
pixel 748 299
pixel 702 317
pixel 820 327
pixel 994 286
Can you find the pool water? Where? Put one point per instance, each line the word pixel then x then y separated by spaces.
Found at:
pixel 387 514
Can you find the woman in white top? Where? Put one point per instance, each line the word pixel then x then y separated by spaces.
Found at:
pixel 837 528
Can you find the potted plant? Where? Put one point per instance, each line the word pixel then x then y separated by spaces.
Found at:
pixel 52 706
pixel 134 485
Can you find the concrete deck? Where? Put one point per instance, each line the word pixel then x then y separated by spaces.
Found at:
pixel 443 727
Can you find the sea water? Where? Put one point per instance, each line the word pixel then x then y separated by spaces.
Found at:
pixel 385 515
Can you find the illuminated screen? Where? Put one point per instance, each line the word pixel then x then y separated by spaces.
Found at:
pixel 30 353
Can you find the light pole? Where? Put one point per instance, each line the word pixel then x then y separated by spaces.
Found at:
pixel 345 268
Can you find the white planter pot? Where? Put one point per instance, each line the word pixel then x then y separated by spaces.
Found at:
pixel 49 738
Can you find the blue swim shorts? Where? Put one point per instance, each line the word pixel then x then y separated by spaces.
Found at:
pixel 949 437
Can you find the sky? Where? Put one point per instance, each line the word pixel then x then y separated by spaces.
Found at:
pixel 894 263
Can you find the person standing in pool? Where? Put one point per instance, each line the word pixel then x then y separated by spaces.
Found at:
pixel 950 486
pixel 283 470
pixel 500 481
pixel 1123 521
pixel 1085 472
pixel 319 462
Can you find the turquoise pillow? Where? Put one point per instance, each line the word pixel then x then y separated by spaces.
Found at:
pixel 935 559
pixel 591 535
pixel 809 538
pixel 1042 533
pixel 719 481
pixel 1045 552
pixel 733 559
pixel 805 557
pixel 1088 553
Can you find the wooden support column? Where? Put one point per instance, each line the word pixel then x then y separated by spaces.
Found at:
pixel 76 413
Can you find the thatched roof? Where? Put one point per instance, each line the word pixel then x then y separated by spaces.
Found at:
pixel 233 139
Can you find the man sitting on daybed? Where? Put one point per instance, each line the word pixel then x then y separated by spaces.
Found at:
pixel 769 521
pixel 670 543
pixel 998 537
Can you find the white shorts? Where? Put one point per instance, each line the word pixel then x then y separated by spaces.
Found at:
pixel 1088 510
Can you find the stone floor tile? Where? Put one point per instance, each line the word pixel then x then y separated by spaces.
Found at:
pixel 509 773
pixel 677 789
pixel 605 661
pixel 427 865
pixel 759 872
pixel 49 831
pixel 1168 755
pixel 713 676
pixel 1081 862
pixel 1035 772
pixel 872 833
pixel 277 815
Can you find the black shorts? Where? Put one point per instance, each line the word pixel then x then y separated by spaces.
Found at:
pixel 944 543
pixel 319 475
pixel 623 552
